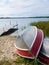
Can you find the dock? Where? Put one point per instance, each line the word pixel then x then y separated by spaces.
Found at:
pixel 8 29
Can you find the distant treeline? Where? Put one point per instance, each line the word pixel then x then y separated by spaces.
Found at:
pixel 23 17
pixel 44 25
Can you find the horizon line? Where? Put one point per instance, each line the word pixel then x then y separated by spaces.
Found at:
pixel 8 17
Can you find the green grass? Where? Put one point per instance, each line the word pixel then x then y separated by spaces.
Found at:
pixel 44 25
pixel 26 61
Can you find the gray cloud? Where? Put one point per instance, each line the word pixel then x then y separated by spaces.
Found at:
pixel 24 7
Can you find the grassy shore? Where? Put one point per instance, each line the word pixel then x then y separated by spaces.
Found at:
pixel 44 25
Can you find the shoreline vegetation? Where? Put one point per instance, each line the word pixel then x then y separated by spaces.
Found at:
pixel 44 25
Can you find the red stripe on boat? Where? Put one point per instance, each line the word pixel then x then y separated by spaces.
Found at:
pixel 24 53
pixel 37 43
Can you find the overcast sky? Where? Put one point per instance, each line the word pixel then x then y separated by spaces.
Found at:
pixel 20 8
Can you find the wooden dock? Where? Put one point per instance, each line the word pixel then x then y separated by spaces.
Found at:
pixel 8 29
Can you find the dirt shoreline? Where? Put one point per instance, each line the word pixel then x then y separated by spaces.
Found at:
pixel 7 49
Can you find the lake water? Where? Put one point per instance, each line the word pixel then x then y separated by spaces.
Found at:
pixel 21 22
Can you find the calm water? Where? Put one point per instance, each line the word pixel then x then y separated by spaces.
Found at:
pixel 20 22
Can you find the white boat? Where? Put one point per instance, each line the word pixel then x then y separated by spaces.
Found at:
pixel 28 42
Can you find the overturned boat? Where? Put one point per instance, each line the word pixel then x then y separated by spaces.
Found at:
pixel 28 42
pixel 43 56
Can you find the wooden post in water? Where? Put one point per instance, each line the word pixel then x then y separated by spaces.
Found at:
pixel 3 29
pixel 10 22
